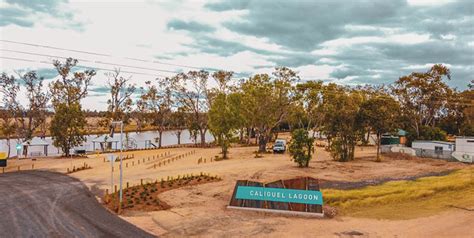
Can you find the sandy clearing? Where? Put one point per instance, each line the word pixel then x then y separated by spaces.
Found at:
pixel 200 210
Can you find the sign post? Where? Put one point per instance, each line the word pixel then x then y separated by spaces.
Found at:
pixel 111 158
pixel 18 149
pixel 120 156
pixel 3 159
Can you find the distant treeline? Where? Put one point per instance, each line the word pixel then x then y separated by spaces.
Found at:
pixel 421 103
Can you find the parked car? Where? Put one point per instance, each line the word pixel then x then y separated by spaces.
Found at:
pixel 279 146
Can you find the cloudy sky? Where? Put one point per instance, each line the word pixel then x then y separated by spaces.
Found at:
pixel 347 42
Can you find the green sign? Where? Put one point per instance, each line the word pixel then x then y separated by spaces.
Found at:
pixel 18 146
pixel 279 195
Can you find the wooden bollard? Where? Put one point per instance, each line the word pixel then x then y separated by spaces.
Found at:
pixel 106 197
pixel 32 166
pixel 67 170
pixel 204 160
pixel 126 165
pixel 127 185
pixel 141 181
pixel 115 188
pixel 143 160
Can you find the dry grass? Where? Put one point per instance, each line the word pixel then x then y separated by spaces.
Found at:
pixel 406 199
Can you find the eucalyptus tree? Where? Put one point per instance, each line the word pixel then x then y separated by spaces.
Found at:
pixel 140 113
pixel 224 113
pixel 9 90
pixel 68 123
pixel 381 114
pixel 192 94
pixel 158 101
pixel 341 125
pixel 119 105
pixel 30 117
pixel 424 97
pixel 307 112
pixel 178 122
pixel 266 102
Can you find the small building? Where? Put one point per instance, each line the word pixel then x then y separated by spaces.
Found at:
pixel 35 142
pixel 464 151
pixel 433 149
pixel 103 141
pixel 394 139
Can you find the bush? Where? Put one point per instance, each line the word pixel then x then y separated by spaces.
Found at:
pixel 301 147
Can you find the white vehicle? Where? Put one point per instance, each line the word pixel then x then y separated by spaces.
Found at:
pixel 279 146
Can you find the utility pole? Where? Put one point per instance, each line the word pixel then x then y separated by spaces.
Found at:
pixel 120 166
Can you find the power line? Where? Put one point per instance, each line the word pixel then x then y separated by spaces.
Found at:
pixel 81 66
pixel 108 55
pixel 91 61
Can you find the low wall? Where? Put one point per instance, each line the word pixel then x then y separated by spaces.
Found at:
pixel 464 157
pixel 445 155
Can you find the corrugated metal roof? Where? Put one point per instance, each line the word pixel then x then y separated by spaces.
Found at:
pixel 433 141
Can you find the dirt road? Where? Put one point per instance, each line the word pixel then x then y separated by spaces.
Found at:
pixel 48 204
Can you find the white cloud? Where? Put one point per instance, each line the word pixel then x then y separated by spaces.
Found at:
pixel 428 2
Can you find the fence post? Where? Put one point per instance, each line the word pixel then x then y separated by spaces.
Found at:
pixel 106 197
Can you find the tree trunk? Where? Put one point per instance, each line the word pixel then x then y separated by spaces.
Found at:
pixel 111 135
pixel 195 138
pixel 262 143
pixel 160 133
pixel 9 149
pixel 178 134
pixel 241 137
pixel 66 150
pixel 368 137
pixel 248 135
pixel 203 137
pixel 378 147
pixel 139 126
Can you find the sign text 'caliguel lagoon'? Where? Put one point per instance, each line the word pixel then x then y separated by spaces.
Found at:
pixel 279 195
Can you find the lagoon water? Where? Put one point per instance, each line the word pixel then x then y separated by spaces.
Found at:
pixel 136 140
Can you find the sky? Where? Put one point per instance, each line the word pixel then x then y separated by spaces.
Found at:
pixel 346 42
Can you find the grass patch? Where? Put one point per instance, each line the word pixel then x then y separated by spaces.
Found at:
pixel 406 199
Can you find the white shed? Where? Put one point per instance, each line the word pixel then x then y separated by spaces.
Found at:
pixel 433 145
pixel 433 149
pixel 465 144
pixel 464 149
